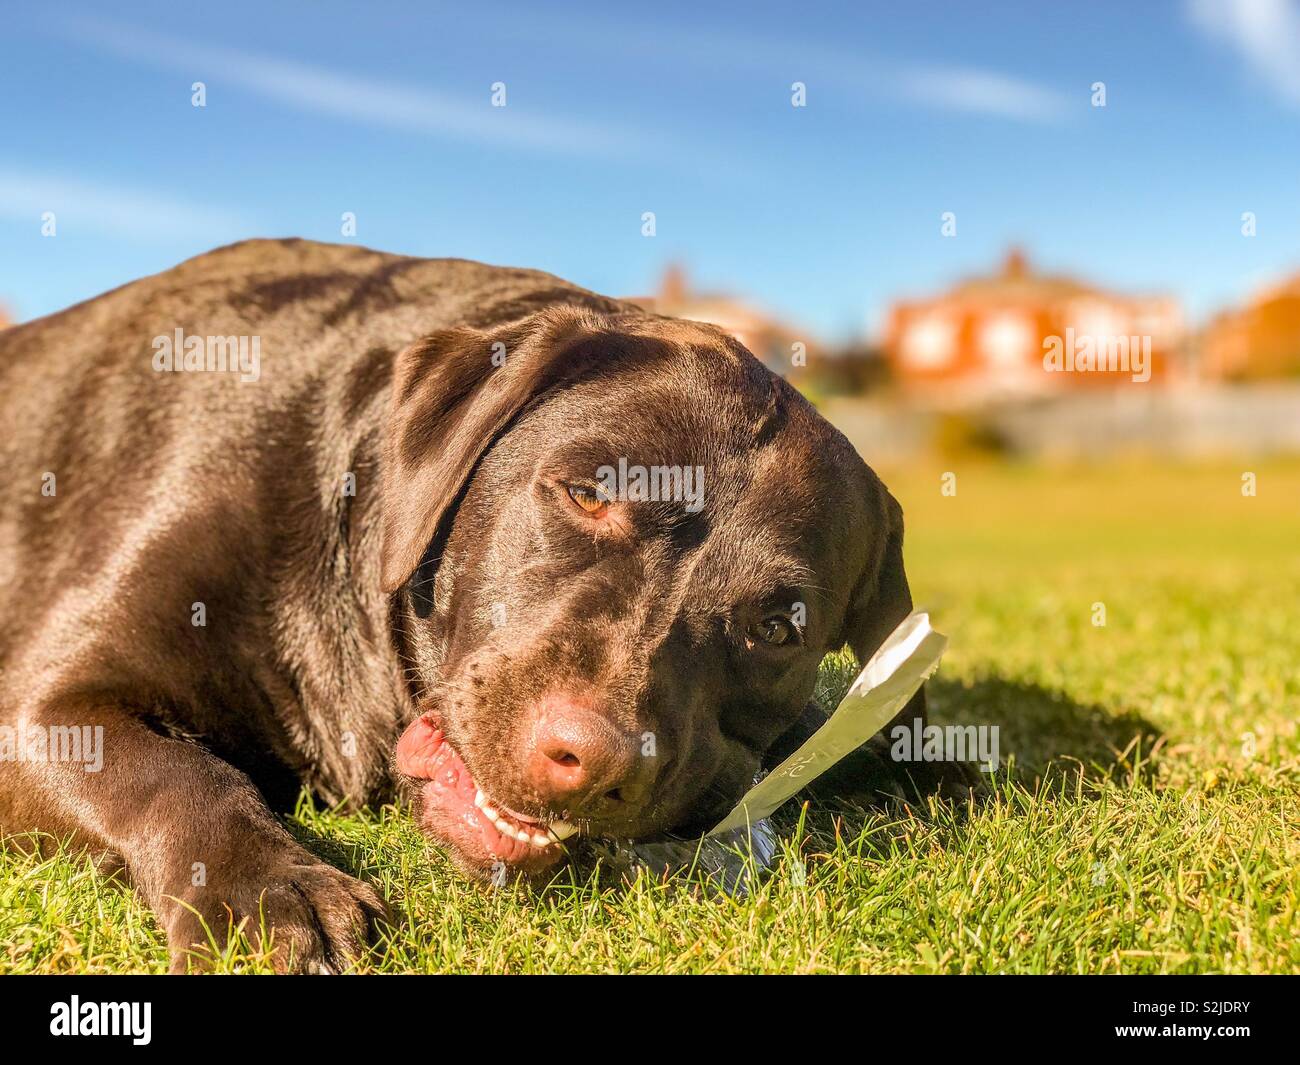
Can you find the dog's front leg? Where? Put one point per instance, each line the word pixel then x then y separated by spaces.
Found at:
pixel 196 836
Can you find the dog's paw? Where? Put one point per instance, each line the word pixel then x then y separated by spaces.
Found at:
pixel 306 915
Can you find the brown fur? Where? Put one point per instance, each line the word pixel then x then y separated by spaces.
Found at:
pixel 332 619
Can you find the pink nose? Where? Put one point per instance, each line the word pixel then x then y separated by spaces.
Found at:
pixel 582 761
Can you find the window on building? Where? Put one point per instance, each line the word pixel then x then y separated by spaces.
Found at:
pixel 1007 340
pixel 929 342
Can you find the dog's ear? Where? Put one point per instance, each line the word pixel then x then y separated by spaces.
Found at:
pixel 453 393
pixel 880 602
pixel 881 598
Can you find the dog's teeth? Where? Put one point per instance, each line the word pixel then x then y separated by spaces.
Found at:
pixel 489 811
pixel 523 835
pixel 507 829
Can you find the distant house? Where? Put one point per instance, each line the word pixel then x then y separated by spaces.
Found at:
pixel 987 337
pixel 772 340
pixel 1261 340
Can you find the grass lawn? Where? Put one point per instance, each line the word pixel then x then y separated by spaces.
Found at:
pixel 1147 820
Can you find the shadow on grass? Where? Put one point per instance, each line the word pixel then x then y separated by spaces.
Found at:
pixel 1049 744
pixel 1044 735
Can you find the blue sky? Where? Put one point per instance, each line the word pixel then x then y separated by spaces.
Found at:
pixel 824 213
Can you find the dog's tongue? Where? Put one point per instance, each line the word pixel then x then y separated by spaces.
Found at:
pixel 423 753
pixel 418 749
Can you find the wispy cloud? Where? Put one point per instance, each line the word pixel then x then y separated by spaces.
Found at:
pixel 330 92
pixel 938 86
pixel 137 214
pixel 1264 33
pixel 980 92
pixel 863 77
pixel 942 87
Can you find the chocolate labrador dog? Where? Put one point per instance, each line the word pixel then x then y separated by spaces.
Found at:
pixel 295 514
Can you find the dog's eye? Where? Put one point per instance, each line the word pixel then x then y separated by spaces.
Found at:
pixel 591 500
pixel 777 631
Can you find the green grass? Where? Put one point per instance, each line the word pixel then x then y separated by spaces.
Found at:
pixel 1148 819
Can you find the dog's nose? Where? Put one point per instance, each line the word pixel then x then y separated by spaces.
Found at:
pixel 582 761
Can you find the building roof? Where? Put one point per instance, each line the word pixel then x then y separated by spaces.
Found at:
pixel 1017 283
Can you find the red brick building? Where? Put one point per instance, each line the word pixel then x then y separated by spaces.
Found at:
pixel 987 336
pixel 1259 341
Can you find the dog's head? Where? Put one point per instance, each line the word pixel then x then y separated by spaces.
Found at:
pixel 619 548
